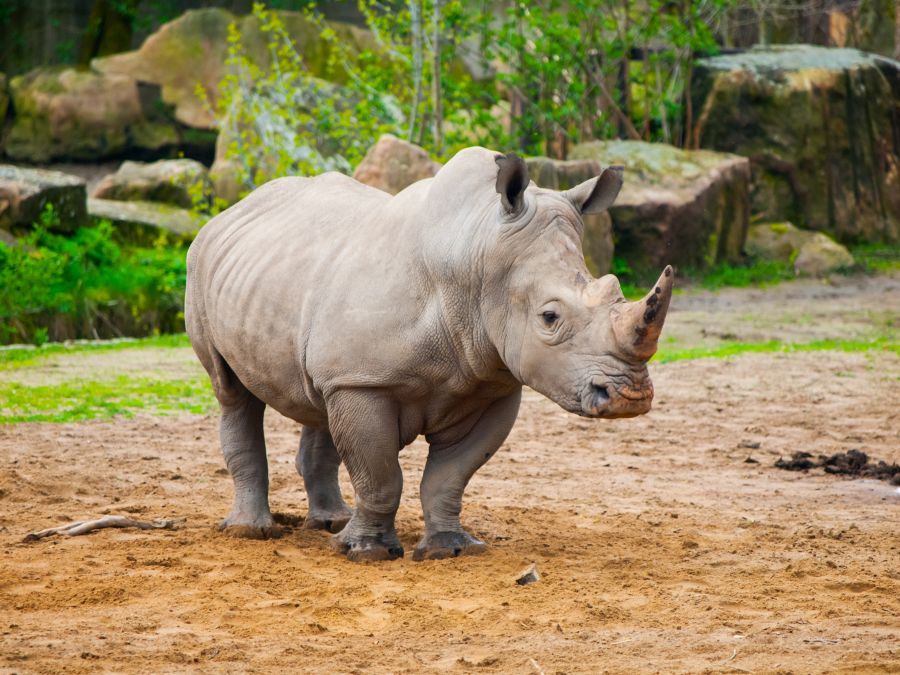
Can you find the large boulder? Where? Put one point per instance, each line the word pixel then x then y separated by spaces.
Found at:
pixel 192 50
pixel 393 164
pixel 811 253
pixel 143 223
pixel 26 193
pixel 558 174
pixel 822 128
pixel 180 182
pixel 72 113
pixel 680 207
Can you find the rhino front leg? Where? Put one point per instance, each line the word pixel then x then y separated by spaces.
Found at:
pixel 447 472
pixel 318 462
pixel 365 431
pixel 244 447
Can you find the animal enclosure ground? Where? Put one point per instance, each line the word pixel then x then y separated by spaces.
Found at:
pixel 665 543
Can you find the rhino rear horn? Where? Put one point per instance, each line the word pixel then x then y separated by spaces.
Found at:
pixel 637 325
pixel 512 179
pixel 597 194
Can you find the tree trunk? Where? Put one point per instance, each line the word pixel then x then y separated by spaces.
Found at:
pixel 109 29
pixel 415 12
pixel 438 113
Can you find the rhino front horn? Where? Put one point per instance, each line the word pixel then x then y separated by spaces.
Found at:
pixel 637 325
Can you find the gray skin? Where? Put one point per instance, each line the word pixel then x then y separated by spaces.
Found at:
pixel 373 319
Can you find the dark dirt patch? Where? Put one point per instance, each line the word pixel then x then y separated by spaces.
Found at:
pixel 851 463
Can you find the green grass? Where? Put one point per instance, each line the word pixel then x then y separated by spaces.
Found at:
pixel 124 396
pixel 119 396
pixel 876 258
pixel 728 349
pixel 23 356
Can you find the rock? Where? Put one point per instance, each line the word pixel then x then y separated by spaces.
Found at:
pixel 25 193
pixel 528 576
pixel 557 174
pixel 142 223
pixel 811 253
pixel 193 49
pixel 179 182
pixel 820 126
pixel 775 241
pixel 820 255
pixel 680 207
pixel 71 113
pixel 393 164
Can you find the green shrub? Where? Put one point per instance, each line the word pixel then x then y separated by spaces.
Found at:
pixel 86 285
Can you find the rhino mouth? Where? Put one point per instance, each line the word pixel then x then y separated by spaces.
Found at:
pixel 603 398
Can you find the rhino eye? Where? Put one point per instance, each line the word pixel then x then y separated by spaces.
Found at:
pixel 550 317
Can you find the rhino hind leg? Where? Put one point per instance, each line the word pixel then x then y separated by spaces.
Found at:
pixel 364 428
pixel 447 472
pixel 244 447
pixel 318 463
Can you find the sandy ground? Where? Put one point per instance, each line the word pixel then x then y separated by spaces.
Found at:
pixel 661 547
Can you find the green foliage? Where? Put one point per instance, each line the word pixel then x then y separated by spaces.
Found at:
pixel 281 120
pixel 875 258
pixel 730 348
pixel 87 285
pixel 754 273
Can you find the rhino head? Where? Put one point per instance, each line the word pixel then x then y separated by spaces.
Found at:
pixel 573 338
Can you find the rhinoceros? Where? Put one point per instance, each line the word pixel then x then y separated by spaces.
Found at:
pixel 372 319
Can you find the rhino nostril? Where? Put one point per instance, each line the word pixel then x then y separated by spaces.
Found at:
pixel 601 394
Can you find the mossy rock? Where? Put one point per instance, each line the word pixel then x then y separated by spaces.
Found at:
pixel 680 207
pixel 192 50
pixel 775 241
pixel 142 223
pixel 811 253
pixel 26 193
pixel 76 114
pixel 820 255
pixel 179 182
pixel 821 128
pixel 556 174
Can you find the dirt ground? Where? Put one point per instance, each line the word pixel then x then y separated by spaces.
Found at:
pixel 666 543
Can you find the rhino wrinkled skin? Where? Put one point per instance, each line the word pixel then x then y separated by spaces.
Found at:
pixel 372 319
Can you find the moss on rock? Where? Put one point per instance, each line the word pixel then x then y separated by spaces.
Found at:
pixel 192 50
pixel 821 128
pixel 687 208
pixel 72 113
pixel 179 182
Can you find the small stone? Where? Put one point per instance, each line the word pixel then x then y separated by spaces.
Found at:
pixel 528 576
pixel 750 445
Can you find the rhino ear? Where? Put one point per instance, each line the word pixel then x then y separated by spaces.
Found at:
pixel 512 179
pixel 597 194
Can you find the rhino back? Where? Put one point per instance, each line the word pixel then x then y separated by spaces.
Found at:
pixel 310 285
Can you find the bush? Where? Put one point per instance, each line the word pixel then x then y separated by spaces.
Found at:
pixel 87 285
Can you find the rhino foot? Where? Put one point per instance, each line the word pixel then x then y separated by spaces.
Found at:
pixel 363 548
pixel 448 545
pixel 332 521
pixel 260 528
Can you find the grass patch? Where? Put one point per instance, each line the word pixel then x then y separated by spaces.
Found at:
pixel 22 356
pixel 876 258
pixel 728 349
pixel 120 396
